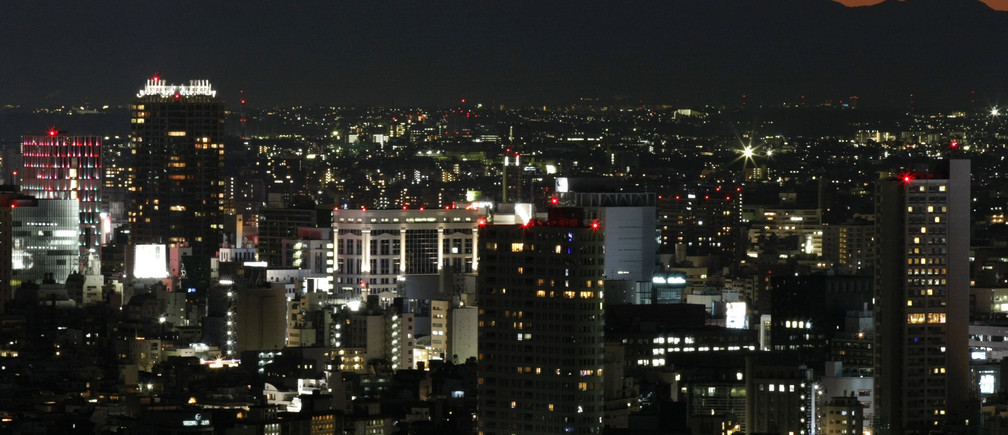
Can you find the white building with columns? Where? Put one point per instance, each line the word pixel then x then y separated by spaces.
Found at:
pixel 374 248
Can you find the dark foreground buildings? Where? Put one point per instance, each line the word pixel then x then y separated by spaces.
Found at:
pixel 541 326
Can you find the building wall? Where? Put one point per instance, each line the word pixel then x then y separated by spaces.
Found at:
pixel 462 335
pixel 439 329
pixel 261 318
pixel 630 242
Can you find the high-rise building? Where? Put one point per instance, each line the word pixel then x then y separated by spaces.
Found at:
pixel 178 152
pixel 57 166
pixel 922 229
pixel 541 326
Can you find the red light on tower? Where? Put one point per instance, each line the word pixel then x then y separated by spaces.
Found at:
pixel 595 225
pixel 907 178
pixel 177 96
pixel 554 200
pixel 52 132
pixel 481 221
pixel 954 144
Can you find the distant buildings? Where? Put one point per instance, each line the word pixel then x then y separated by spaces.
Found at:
pixel 922 374
pixel 178 196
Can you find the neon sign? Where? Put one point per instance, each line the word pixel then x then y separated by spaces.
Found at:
pixel 158 88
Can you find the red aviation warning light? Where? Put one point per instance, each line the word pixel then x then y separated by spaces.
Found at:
pixel 554 200
pixel 907 178
pixel 52 132
pixel 954 144
pixel 595 225
pixel 481 221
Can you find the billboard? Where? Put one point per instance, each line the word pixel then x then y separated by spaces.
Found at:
pixel 150 261
pixel 735 315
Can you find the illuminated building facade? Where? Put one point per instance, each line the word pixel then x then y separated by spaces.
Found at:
pixel 374 247
pixel 45 241
pixel 541 326
pixel 67 167
pixel 178 189
pixel 922 378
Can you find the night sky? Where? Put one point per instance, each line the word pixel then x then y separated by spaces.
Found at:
pixel 504 52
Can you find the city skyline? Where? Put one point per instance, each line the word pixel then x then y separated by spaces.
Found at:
pixel 689 217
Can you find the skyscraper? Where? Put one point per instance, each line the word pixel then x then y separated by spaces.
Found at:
pixel 922 299
pixel 540 326
pixel 178 157
pixel 70 168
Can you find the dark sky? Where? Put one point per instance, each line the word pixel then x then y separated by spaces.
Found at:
pixel 510 52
